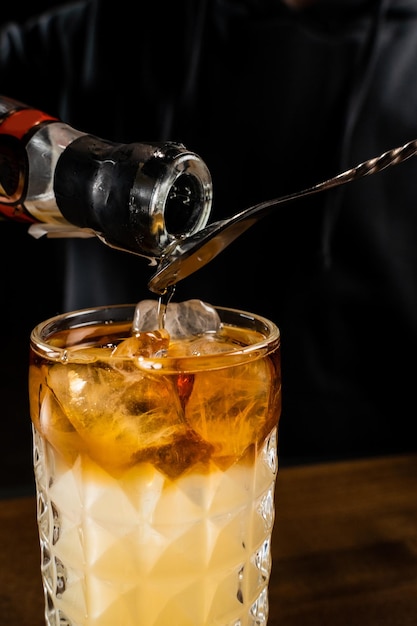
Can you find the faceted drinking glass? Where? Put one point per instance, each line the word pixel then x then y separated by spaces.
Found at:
pixel 155 462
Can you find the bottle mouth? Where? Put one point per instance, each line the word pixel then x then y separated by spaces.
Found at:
pixel 183 206
pixel 188 198
pixel 173 197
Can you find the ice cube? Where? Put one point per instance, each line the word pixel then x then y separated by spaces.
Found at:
pixel 144 343
pixel 146 316
pixel 238 400
pixel 118 413
pixel 182 319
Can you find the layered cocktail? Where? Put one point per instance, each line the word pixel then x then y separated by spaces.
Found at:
pixel 155 462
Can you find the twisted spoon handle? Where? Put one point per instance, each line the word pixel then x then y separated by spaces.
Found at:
pixel 372 166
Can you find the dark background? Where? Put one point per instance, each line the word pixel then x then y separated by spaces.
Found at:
pixel 349 334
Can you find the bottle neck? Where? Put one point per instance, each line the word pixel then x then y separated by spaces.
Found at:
pixel 137 197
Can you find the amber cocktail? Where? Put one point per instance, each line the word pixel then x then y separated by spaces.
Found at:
pixel 155 463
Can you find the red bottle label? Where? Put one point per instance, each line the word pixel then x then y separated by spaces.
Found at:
pixel 21 122
pixel 13 161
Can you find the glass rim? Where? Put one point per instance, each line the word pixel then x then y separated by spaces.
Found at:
pixel 83 318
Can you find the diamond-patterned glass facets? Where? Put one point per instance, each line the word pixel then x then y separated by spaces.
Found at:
pixel 197 548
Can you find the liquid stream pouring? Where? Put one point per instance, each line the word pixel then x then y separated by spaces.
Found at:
pixel 150 199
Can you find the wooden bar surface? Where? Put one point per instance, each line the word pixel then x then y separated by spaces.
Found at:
pixel 344 548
